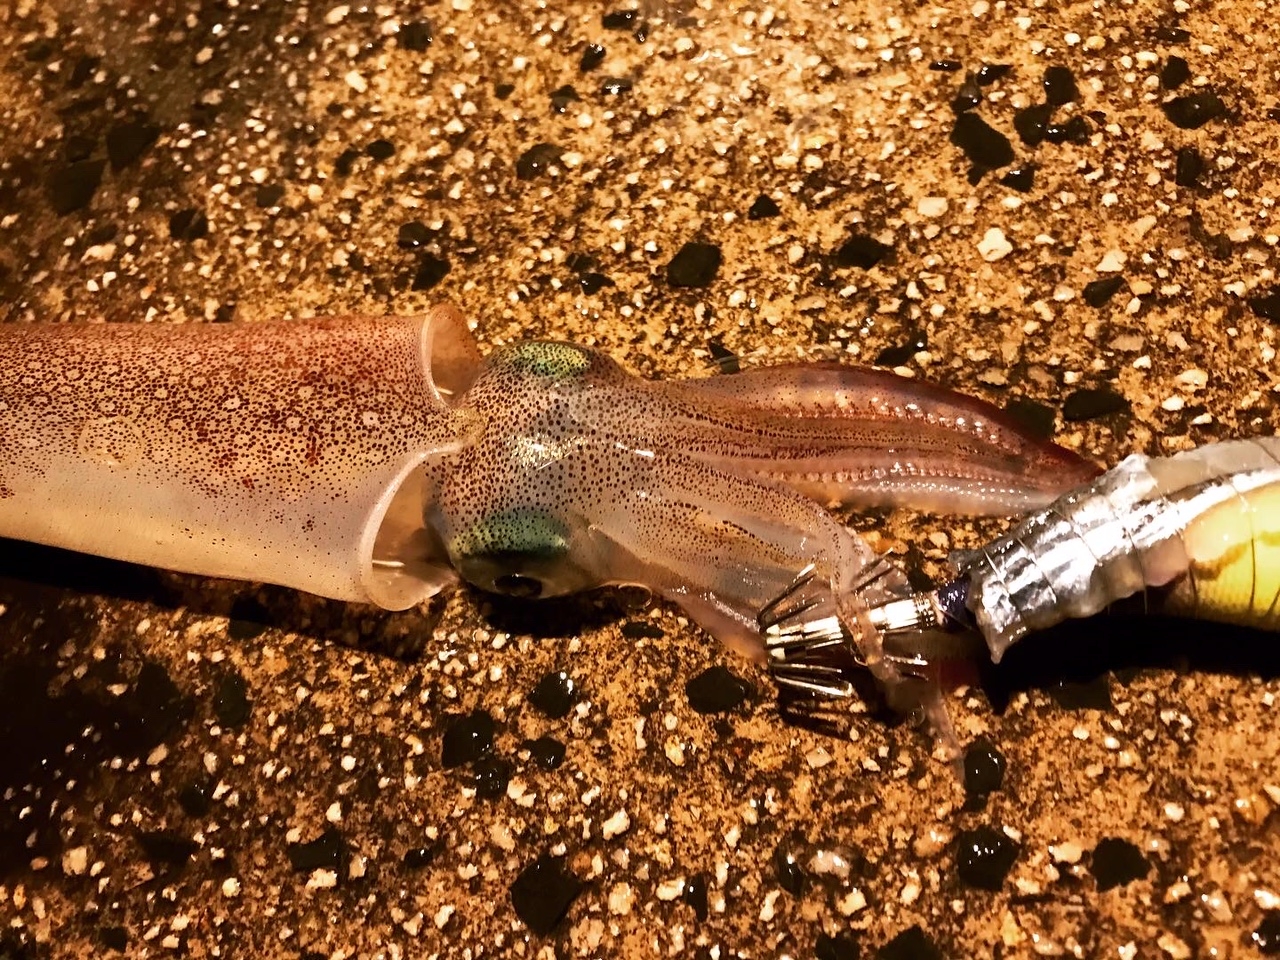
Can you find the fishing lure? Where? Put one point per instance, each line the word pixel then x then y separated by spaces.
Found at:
pixel 1197 531
pixel 381 459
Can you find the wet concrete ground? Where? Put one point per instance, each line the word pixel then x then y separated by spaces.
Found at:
pixel 1065 208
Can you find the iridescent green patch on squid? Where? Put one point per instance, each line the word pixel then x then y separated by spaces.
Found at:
pixel 519 552
pixel 555 361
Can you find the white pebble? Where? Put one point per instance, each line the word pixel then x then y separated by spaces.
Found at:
pixel 993 246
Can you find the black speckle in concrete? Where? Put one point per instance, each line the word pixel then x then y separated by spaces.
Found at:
pixel 412 235
pixel 695 895
pixel 725 360
pixel 969 96
pixel 860 251
pixel 842 946
pixel 431 270
pixel 945 66
pixel 1089 403
pixel 189 224
pixel 231 704
pixel 694 265
pixel 911 944
pixel 642 630
pixel 326 852
pixel 164 848
pixel 555 694
pixel 70 188
pixel 196 798
pixel 467 739
pixel 1075 130
pixel 1060 85
pixel 1092 694
pixel 612 86
pixel 1267 305
pixel 248 619
pixel 126 142
pixel 763 208
pixel 1172 35
pixel 113 938
pixel 1117 862
pixel 416 36
pixel 161 709
pixel 562 97
pixel 1034 417
pixel 618 20
pixel 592 57
pixel 989 73
pixel 902 353
pixel 76 148
pixel 1188 166
pixel 346 160
pixel 984 768
pixel 1194 110
pixel 419 857
pixel 592 283
pixel 1098 292
pixel 268 195
pixel 1021 178
pixel 1266 935
pixel 503 90
pixel 786 867
pixel 1174 73
pixel 536 160
pixel 986 147
pixel 380 150
pixel 490 776
pixel 1030 123
pixel 716 690
pixel 984 857
pixel 546 752
pixel 543 893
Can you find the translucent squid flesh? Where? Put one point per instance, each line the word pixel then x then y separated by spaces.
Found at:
pixel 378 460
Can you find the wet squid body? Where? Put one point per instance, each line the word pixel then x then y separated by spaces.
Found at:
pixel 380 459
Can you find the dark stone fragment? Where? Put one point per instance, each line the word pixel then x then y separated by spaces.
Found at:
pixel 161 709
pixel 1266 935
pixel 642 629
pixel 984 768
pixel 346 159
pixel 490 776
pixel 593 282
pixel 716 690
pixel 536 159
pixel 985 146
pixel 1217 244
pixel 103 233
pixel 945 66
pixel 226 311
pixel 431 270
pixel 968 96
pixel 1033 417
pixel 1174 73
pixel 1030 123
pixel 1116 863
pixel 1187 167
pixel 543 893
pixel 326 852
pixel 694 265
pixel 641 33
pixel 695 895
pixel 189 224
pixel 418 857
pixel 1267 306
pixel 790 874
pixel 114 938
pixel 975 175
pixel 1089 403
pixel 1273 114
pixel 1075 130
pixel 1082 694
pixel 467 739
pixel 1098 292
pixel 860 251
pixel 164 848
pixel 76 148
pixel 248 619
pixel 1194 110
pixel 546 752
pixel 503 90
pixel 561 97
pixel 1060 85
pixel 72 187
pixel 231 703
pixel 613 86
pixel 897 356
pixel 126 142
pixel 984 857
pixel 381 150
pixel 843 946
pixel 82 71
pixel 1021 178
pixel 39 50
pixel 989 73
pixel 618 20
pixel 911 944
pixel 1173 34
pixel 555 694
pixel 726 360
pixel 412 235
pixel 592 57
pixel 416 36
pixel 269 195
pixel 196 799
pixel 763 208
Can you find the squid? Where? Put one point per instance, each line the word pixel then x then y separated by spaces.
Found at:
pixel 381 459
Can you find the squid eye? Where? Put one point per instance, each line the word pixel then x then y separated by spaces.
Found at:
pixel 520 553
pixel 555 361
pixel 518 585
